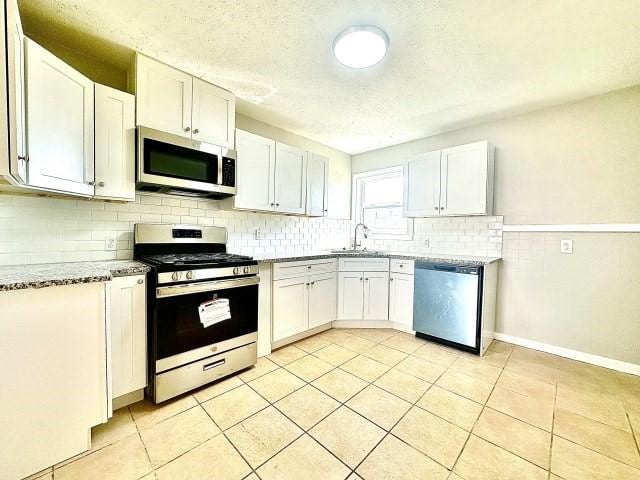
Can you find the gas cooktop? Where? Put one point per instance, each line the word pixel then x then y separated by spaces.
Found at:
pixel 196 259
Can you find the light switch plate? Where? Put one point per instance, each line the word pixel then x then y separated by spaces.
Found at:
pixel 566 246
pixel 259 234
pixel 110 241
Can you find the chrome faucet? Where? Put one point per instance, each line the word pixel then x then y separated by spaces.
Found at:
pixel 365 232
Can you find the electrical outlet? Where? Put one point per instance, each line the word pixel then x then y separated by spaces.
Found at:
pixel 566 246
pixel 427 243
pixel 110 241
pixel 258 234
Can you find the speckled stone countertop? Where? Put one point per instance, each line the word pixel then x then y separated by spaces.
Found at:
pixel 19 277
pixel 429 257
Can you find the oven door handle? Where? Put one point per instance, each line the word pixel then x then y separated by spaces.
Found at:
pixel 186 289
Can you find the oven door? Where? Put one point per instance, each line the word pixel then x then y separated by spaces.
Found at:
pixel 179 335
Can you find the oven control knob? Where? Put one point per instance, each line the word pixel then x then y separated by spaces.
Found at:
pixel 246 269
pixel 236 270
pixel 189 275
pixel 175 276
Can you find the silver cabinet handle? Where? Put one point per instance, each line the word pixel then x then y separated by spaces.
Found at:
pixel 391 279
pixel 140 281
pixel 277 204
pixel 436 208
pixel 101 184
pixel 366 279
pixel 187 129
pixel 23 158
pixel 92 183
pixel 360 278
pixel 273 204
pixel 195 130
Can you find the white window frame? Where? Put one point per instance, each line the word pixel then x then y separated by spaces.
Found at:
pixel 356 205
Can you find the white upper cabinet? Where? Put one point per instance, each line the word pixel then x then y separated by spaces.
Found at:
pixel 173 101
pixel 453 181
pixel 317 185
pixel 213 114
pixel 422 185
pixel 465 180
pixel 114 144
pixel 60 145
pixel 15 93
pixel 271 175
pixel 290 179
pixel 163 97
pixel 254 171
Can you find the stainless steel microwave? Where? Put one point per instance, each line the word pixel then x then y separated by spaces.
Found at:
pixel 169 163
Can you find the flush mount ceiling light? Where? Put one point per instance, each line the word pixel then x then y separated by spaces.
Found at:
pixel 360 46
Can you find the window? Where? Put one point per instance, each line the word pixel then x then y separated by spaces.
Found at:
pixel 378 203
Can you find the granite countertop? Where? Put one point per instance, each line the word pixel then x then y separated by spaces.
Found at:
pixel 435 257
pixel 19 277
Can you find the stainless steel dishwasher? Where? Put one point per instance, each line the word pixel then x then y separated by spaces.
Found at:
pixel 447 305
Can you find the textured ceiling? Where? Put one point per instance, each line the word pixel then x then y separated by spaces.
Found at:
pixel 450 64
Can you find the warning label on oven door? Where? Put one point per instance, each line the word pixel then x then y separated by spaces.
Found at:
pixel 214 311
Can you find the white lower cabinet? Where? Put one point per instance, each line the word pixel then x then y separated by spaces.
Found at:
pixel 363 296
pixel 302 303
pixel 128 334
pixel 290 299
pixel 322 299
pixel 363 289
pixel 53 363
pixel 401 300
pixel 376 296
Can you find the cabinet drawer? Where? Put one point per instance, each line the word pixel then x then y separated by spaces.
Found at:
pixel 303 267
pixel 402 266
pixel 355 264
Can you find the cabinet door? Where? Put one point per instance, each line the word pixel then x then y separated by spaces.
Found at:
pixel 128 334
pixel 255 167
pixel 422 185
pixel 15 93
pixel 59 122
pixel 290 179
pixel 54 370
pixel 163 97
pixel 290 299
pixel 114 144
pixel 464 180
pixel 401 299
pixel 350 295
pixel 322 299
pixel 376 296
pixel 213 114
pixel 316 185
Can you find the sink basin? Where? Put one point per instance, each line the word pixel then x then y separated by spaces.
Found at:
pixel 352 251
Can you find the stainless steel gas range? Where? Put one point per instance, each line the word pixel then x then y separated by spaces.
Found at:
pixel 202 307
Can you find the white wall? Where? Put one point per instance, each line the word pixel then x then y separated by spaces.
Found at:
pixel 576 163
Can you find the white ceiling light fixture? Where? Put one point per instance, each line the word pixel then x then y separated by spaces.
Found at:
pixel 361 46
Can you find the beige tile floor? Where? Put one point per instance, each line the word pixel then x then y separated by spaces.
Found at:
pixel 380 404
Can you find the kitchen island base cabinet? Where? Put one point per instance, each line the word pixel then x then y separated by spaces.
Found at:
pixel 53 362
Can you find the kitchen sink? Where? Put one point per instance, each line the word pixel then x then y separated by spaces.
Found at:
pixel 359 251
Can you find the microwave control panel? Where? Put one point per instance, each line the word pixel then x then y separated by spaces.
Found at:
pixel 229 172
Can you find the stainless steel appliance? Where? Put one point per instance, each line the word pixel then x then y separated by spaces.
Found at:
pixel 447 306
pixel 191 268
pixel 172 164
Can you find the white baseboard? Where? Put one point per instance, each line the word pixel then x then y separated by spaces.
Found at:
pixel 605 362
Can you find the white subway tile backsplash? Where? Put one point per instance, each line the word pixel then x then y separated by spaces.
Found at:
pixel 37 229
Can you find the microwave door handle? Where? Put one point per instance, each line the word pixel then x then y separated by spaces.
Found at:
pixel 220 162
pixel 172 291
